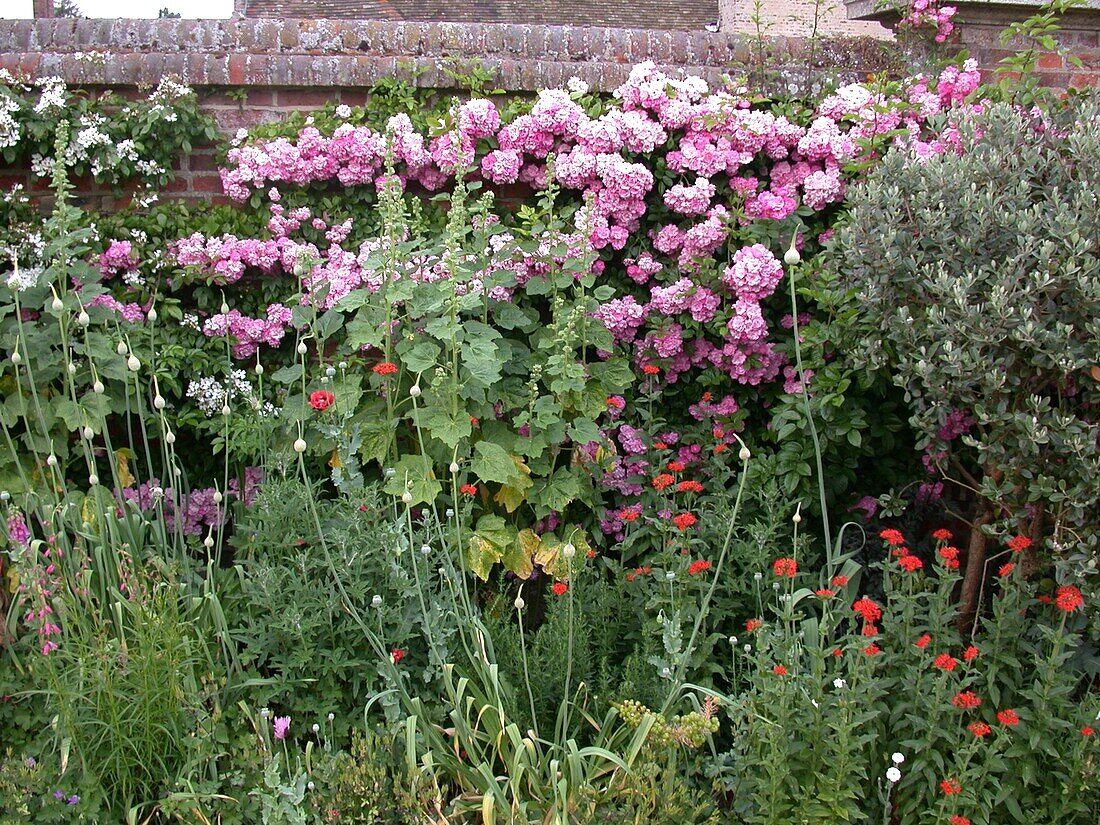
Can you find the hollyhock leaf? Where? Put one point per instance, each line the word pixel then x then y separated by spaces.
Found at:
pixel 376 438
pixel 419 357
pixel 288 374
pixel 450 429
pixel 512 495
pixel 519 555
pixel 482 362
pixel 556 492
pixel 481 555
pixel 492 463
pixel 509 316
pixel 414 474
pixel 584 431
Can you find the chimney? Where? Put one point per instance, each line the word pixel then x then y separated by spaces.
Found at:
pixel 43 8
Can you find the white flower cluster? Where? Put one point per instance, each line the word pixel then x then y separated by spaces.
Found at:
pixel 9 126
pixel 577 86
pixel 212 394
pixel 21 280
pixel 54 95
pixel 343 111
pixel 168 91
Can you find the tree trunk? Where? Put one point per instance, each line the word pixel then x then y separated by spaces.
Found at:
pixel 974 576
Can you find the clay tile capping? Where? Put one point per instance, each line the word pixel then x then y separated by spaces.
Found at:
pixel 646 14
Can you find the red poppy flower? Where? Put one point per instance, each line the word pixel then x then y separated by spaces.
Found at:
pixel 468 489
pixel 970 654
pixel 651 369
pixel 779 670
pixel 1087 731
pixel 867 608
pixel 560 588
pixel 941 535
pixel 385 368
pixel 321 400
pixel 662 480
pixel 966 700
pixel 892 536
pixel 1019 543
pixel 698 567
pixel 1008 717
pixel 923 641
pixel 785 567
pixel 397 655
pixel 753 624
pixel 1068 598
pixel 945 661
pixel 910 563
pixel 684 520
pixel 959 820
pixel 1005 569
pixel 979 729
pixel 950 787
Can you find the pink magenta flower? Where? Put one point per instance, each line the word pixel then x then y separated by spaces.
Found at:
pixel 281 726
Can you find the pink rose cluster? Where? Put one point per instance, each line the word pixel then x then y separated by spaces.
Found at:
pixel 930 12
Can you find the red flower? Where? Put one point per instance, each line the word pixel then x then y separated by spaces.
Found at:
pixel 659 445
pixel 1008 717
pixel 923 641
pixel 616 402
pixel 870 630
pixel 662 480
pixel 721 448
pixel 941 535
pixel 753 624
pixel 950 787
pixel 872 649
pixel 630 513
pixel 707 396
pixel 468 489
pixel 698 567
pixel 684 521
pixel 785 567
pixel 945 661
pixel 676 466
pixel 979 729
pixel 959 820
pixel 689 487
pixel 1019 543
pixel 321 400
pixel 950 556
pixel 473 421
pixel 970 654
pixel 385 368
pixel 824 593
pixel 779 670
pixel 866 608
pixel 966 700
pixel 892 536
pixel 836 653
pixel 910 563
pixel 651 369
pixel 1068 598
pixel 1006 569
pixel 397 655
pixel 560 588
pixel 1087 731
pixel 838 581
pixel 718 433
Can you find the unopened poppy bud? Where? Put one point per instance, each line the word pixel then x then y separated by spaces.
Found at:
pixel 791 256
pixel 152 316
pixel 121 348
pixel 744 455
pixel 133 364
pixel 299 446
pixel 97 387
pixel 83 318
pixel 159 402
pixel 302 348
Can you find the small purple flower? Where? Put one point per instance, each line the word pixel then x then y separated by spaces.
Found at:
pixel 30 761
pixel 281 725
pixel 58 794
pixel 72 800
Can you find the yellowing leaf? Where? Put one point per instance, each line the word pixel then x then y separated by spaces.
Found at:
pixel 334 460
pixel 125 477
pixel 520 554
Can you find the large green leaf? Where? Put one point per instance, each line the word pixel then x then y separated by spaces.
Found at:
pixel 414 474
pixel 491 462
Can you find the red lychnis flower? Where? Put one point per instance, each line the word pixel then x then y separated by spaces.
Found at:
pixel 1005 569
pixel 838 581
pixel 872 649
pixel 662 480
pixel 468 489
pixel 945 661
pixel 1068 598
pixel 979 729
pixel 950 787
pixel 970 654
pixel 824 593
pixel 560 588
pixel 698 567
pixel 753 624
pixel 1019 543
pixel 385 368
pixel 910 563
pixel 689 487
pixel 923 641
pixel 779 670
pixel 785 567
pixel 397 655
pixel 630 513
pixel 1008 717
pixel 1087 731
pixel 941 535
pixel 651 369
pixel 966 700
pixel 867 608
pixel 950 556
pixel 676 466
pixel 959 820
pixel 321 400
pixel 684 520
pixel 892 536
